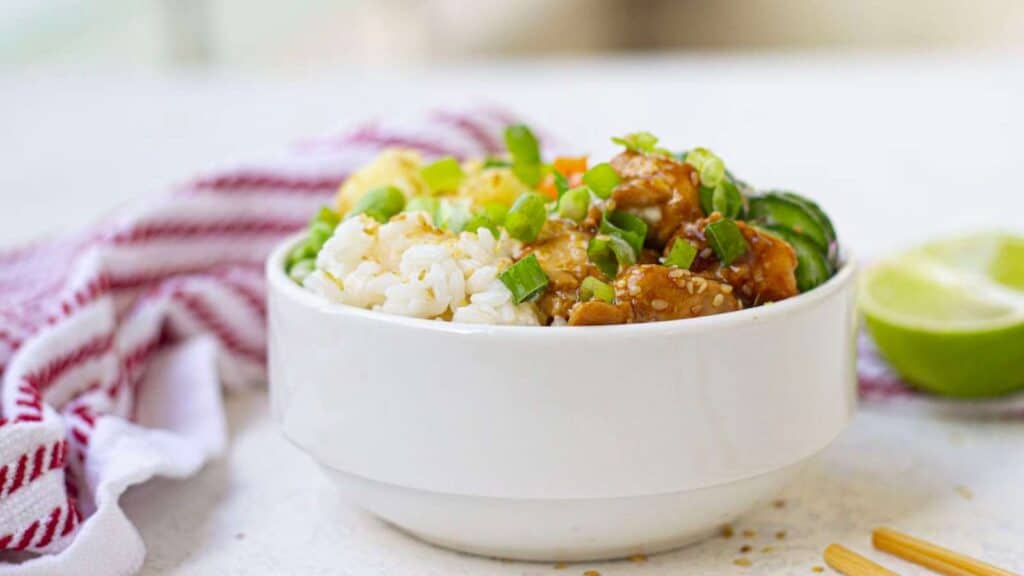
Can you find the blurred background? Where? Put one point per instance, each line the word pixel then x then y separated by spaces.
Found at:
pixel 262 35
pixel 855 103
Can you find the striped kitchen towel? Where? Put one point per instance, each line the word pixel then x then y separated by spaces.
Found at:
pixel 114 342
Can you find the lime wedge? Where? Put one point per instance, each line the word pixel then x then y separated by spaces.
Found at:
pixel 949 316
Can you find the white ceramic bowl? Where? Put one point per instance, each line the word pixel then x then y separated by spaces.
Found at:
pixel 562 443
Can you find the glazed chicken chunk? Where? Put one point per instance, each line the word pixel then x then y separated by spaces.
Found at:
pixel 765 273
pixel 650 293
pixel 660 190
pixel 561 250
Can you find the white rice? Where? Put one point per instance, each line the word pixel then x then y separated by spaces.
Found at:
pixel 408 267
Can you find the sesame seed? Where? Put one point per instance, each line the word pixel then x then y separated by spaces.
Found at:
pixel 767 550
pixel 638 558
pixel 659 304
pixel 818 569
pixel 745 548
pixel 561 565
pixel 705 253
pixel 717 300
pixel 780 503
pixel 702 285
pixel 742 562
pixel 749 533
pixel 727 531
pixel 780 535
pixel 591 573
pixel 726 289
pixel 689 286
pixel 675 273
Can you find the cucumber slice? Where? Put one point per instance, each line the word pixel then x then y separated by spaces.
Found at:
pixel 773 209
pixel 813 207
pixel 812 268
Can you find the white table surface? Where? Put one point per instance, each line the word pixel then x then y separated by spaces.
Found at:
pixel 897 150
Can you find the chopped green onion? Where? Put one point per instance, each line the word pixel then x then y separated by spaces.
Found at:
pixel 726 199
pixel 327 216
pixel 301 269
pixel 319 234
pixel 522 144
pixel 493 162
pixel 726 240
pixel 526 217
pixel 496 212
pixel 602 179
pixel 529 174
pixel 524 279
pixel 525 151
pixel 593 288
pixel 638 141
pixel 574 204
pixel 428 204
pixel 478 221
pixel 453 214
pixel 561 184
pixel 444 174
pixel 610 253
pixel 710 167
pixel 626 226
pixel 380 203
pixel 681 255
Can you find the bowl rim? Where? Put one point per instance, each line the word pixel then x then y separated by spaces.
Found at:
pixel 279 282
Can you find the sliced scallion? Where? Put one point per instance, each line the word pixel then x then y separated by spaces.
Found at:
pixel 453 214
pixel 428 204
pixel 602 179
pixel 443 174
pixel 726 240
pixel 561 184
pixel 524 279
pixel 638 141
pixel 574 204
pixel 626 226
pixel 496 212
pixel 301 269
pixel 380 203
pixel 327 216
pixel 610 253
pixel 726 199
pixel 681 255
pixel 525 151
pixel 478 221
pixel 526 217
pixel 592 288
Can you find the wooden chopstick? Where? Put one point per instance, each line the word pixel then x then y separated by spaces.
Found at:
pixel 930 556
pixel 846 561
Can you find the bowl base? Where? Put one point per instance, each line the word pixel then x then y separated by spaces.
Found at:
pixel 563 530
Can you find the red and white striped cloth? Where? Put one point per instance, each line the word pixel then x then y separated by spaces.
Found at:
pixel 113 343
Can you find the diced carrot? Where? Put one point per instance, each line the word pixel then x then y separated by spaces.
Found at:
pixel 547 187
pixel 569 165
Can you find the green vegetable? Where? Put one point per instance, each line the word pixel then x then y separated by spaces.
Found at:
pixel 496 212
pixel 610 253
pixel 726 240
pixel 602 179
pixel 529 174
pixel 592 288
pixel 493 162
pixel 428 204
pixel 524 279
pixel 480 221
pixel 626 226
pixel 327 216
pixel 681 255
pixel 453 214
pixel 525 151
pixel 814 209
pixel 638 142
pixel 774 209
pixel 380 203
pixel 522 144
pixel 812 268
pixel 443 174
pixel 301 269
pixel 727 199
pixel 526 217
pixel 561 184
pixel 574 204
